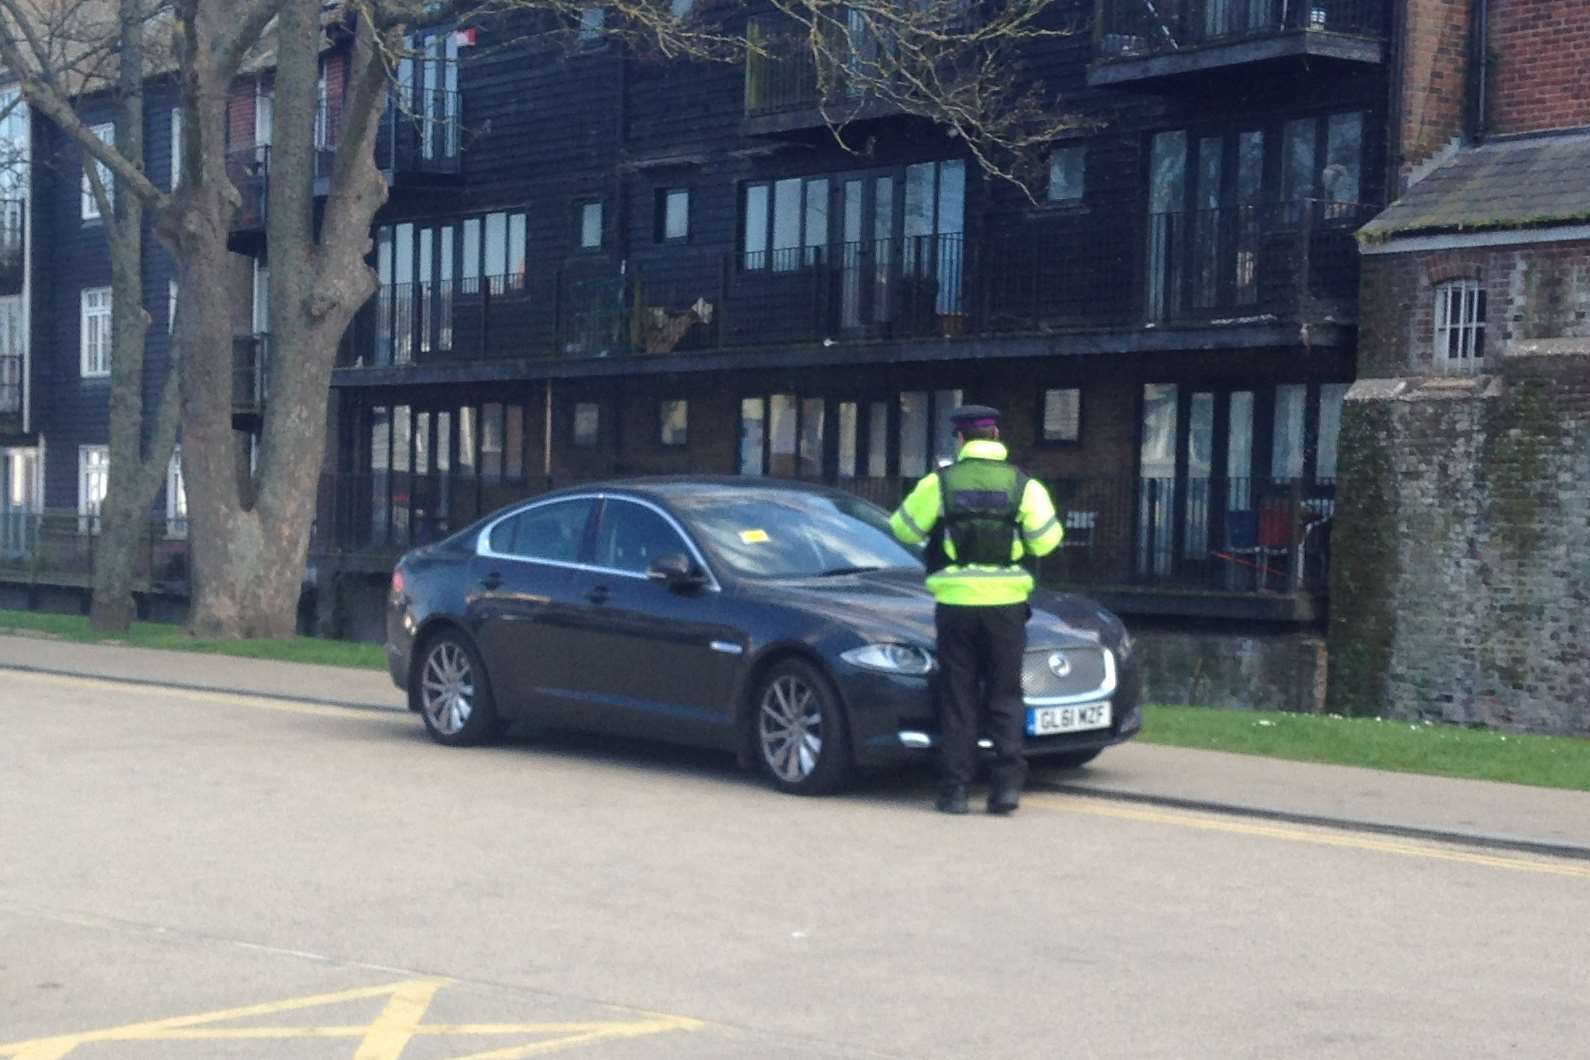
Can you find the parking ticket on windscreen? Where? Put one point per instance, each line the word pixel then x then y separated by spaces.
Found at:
pixel 753 537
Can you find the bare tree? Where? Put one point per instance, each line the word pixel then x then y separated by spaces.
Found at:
pixel 943 60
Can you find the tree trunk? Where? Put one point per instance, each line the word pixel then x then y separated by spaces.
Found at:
pixel 134 475
pixel 250 570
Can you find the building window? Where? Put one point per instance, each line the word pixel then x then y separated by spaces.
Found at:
pixel 106 134
pixel 675 421
pixel 176 498
pixel 1062 415
pixel 1460 326
pixel 587 424
pixel 1067 170
pixel 93 476
pixel 786 224
pixel 171 307
pixel 673 215
pixel 592 21
pixel 590 216
pixel 176 147
pixel 95 332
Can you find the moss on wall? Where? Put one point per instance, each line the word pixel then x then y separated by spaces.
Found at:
pixel 1365 561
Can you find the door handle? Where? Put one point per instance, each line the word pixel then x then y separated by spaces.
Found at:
pixel 492 580
pixel 599 594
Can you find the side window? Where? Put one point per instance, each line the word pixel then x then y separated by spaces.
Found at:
pixel 551 532
pixel 632 537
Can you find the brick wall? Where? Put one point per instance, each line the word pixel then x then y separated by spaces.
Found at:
pixel 1435 67
pixel 1461 559
pixel 1532 292
pixel 1540 53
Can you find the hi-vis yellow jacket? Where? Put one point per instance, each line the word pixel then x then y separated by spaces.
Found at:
pixel 973 585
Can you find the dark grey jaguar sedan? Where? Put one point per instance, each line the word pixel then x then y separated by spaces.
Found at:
pixel 776 620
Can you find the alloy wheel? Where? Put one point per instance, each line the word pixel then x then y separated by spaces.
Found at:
pixel 791 728
pixel 447 688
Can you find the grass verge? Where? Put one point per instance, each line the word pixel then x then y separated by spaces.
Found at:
pixel 175 638
pixel 1374 743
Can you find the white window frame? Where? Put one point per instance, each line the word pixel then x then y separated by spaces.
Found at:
pixel 95 303
pixel 93 480
pixel 106 134
pixel 173 289
pixel 176 497
pixel 1059 394
pixel 176 147
pixel 1460 312
pixel 1059 156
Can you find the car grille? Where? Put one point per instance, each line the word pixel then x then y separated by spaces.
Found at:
pixel 1089 674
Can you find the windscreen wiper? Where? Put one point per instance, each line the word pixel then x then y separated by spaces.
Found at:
pixel 837 571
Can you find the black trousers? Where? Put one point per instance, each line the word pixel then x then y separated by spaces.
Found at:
pixel 979 651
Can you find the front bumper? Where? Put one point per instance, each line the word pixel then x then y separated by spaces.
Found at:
pixel 892 719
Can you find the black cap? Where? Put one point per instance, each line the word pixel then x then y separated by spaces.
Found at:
pixel 975 416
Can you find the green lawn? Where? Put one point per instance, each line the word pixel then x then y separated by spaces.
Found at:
pixel 161 635
pixel 1442 750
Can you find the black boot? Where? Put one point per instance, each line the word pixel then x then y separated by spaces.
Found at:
pixel 952 799
pixel 1003 799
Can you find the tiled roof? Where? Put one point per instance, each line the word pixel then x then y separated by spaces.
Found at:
pixel 1524 183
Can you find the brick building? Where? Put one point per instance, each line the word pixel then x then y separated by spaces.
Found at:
pixel 1462 539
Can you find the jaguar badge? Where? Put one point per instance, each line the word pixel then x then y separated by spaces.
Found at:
pixel 1059 665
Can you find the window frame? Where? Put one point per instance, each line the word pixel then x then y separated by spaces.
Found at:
pixel 663 407
pixel 1470 333
pixel 176 497
pixel 660 225
pixel 574 426
pixel 106 336
pixel 176 147
pixel 804 252
pixel 581 207
pixel 1080 152
pixel 1041 433
pixel 89 512
pixel 611 504
pixel 106 133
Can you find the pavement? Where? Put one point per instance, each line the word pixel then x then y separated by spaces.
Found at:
pixel 210 874
pixel 1469 812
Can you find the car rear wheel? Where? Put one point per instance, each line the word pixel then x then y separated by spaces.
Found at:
pixel 1072 759
pixel 450 690
pixel 801 740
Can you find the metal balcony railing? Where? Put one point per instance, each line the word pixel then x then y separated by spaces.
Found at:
pixel 419 133
pixel 10 383
pixel 1130 29
pixel 59 546
pixel 250 373
pixel 13 252
pixel 248 166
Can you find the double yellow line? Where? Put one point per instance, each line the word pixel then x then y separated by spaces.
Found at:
pixel 1318 837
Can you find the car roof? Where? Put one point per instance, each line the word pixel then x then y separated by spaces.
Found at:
pixel 666 488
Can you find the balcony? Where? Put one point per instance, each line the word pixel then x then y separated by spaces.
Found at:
pixel 418 140
pixel 248 166
pixel 13 252
pixel 785 94
pixel 581 311
pixel 56 547
pixel 11 368
pixel 250 378
pixel 1144 41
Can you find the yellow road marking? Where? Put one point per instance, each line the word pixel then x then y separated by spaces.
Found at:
pixel 383 1038
pixel 235 699
pixel 1300 835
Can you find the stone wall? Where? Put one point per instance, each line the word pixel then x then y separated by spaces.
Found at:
pixel 1461 554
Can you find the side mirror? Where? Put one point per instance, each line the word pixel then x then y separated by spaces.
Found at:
pixel 676 572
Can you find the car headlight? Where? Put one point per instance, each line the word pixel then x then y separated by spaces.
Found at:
pixel 891 658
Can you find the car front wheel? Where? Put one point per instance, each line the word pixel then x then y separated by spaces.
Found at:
pixel 450 690
pixel 802 742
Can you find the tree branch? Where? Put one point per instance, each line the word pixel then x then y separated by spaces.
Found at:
pixel 247 26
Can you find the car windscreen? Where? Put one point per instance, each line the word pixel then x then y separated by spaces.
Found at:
pixel 793 534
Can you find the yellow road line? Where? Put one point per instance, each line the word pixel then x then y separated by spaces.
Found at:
pixel 250 700
pixel 383 1038
pixel 1300 835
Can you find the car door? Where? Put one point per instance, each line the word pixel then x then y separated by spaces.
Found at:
pixel 524 602
pixel 661 662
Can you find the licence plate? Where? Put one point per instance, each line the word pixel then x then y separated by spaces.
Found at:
pixel 1048 721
